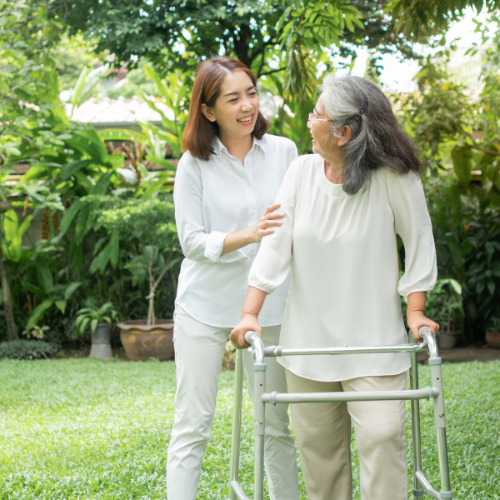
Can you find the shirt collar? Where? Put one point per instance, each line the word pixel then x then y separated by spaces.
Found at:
pixel 219 147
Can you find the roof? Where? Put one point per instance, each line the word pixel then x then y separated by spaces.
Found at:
pixel 117 112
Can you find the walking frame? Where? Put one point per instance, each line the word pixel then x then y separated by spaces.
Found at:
pixel 261 398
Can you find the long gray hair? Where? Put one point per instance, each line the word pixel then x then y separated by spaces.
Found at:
pixel 377 139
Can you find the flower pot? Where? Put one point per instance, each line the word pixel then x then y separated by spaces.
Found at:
pixel 101 348
pixel 142 342
pixel 448 340
pixel 493 339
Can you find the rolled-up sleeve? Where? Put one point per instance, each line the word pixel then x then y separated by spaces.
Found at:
pixel 196 243
pixel 272 263
pixel 413 223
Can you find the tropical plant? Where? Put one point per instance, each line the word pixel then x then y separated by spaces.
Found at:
pixel 91 316
pixel 175 93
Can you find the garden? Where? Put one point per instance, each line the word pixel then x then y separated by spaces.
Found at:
pixel 88 240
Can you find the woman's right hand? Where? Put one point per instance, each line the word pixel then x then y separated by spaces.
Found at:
pixel 248 323
pixel 267 221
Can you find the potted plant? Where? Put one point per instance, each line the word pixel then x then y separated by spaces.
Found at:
pixel 152 337
pixel 444 305
pixel 142 234
pixel 493 332
pixel 99 319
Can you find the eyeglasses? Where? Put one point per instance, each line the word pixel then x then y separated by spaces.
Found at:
pixel 311 118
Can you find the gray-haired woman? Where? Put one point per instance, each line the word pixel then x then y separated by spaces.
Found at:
pixel 343 207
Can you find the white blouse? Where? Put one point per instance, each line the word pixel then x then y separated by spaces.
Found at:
pixel 345 279
pixel 216 197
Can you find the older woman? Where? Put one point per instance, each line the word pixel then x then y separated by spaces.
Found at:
pixel 343 207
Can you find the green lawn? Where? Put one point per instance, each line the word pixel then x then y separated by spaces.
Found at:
pixel 84 429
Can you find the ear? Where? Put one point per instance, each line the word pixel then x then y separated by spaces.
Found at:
pixel 345 135
pixel 207 113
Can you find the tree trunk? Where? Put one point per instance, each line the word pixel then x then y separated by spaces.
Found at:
pixel 7 302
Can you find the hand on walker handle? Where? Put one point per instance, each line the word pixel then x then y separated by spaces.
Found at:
pixel 248 323
pixel 417 320
pixel 266 222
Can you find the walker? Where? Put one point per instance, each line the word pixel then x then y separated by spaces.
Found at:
pixel 261 398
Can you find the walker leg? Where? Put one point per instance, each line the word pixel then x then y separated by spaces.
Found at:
pixel 440 422
pixel 418 491
pixel 259 429
pixel 236 432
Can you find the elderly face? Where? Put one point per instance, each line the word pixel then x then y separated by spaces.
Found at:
pixel 320 126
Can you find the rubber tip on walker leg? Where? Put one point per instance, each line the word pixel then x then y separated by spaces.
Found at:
pixel 418 493
pixel 446 494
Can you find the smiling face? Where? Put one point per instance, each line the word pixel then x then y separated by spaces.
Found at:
pixel 237 107
pixel 324 142
pixel 322 139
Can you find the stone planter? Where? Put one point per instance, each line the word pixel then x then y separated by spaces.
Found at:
pixel 448 340
pixel 493 339
pixel 101 348
pixel 142 342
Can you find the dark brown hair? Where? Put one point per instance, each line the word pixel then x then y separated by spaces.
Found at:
pixel 200 132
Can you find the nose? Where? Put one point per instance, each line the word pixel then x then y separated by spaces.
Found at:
pixel 248 104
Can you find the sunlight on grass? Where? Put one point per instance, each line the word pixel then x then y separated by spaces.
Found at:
pixel 84 429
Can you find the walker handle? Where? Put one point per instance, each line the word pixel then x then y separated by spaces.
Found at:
pixel 426 333
pixel 423 330
pixel 250 337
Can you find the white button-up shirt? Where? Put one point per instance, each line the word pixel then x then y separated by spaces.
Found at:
pixel 220 196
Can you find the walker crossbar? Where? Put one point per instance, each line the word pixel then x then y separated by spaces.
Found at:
pixel 327 397
pixel 261 398
pixel 276 350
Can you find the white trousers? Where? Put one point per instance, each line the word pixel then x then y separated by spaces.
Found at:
pixel 199 349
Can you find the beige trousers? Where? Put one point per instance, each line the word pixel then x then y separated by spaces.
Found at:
pixel 323 433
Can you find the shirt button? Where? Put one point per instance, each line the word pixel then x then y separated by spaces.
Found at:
pixel 252 253
pixel 248 184
pixel 252 206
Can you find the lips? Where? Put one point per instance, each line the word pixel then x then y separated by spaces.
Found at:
pixel 246 120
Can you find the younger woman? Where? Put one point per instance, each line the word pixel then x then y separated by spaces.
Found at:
pixel 229 175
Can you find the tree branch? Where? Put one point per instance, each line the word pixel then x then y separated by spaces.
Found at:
pixel 487 151
pixel 272 71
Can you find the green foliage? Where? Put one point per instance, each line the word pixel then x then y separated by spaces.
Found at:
pixel 127 459
pixel 444 304
pixel 72 54
pixel 290 38
pixel 13 234
pixel 467 235
pixel 135 83
pixel 175 93
pixel 91 316
pixel 29 92
pixel 427 16
pixel 28 349
pixel 494 324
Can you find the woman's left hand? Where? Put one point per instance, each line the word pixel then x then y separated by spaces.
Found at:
pixel 417 320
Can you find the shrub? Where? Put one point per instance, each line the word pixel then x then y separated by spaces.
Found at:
pixel 28 349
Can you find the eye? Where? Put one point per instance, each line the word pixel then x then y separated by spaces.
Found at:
pixel 252 94
pixel 234 100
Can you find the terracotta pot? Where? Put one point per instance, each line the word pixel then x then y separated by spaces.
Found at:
pixel 142 342
pixel 493 339
pixel 101 348
pixel 448 340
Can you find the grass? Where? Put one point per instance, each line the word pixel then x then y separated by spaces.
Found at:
pixel 84 429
